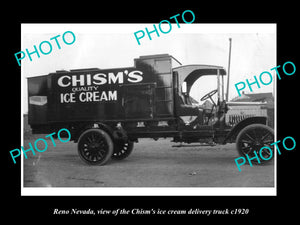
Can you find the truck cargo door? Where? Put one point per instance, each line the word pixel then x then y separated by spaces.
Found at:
pixel 138 100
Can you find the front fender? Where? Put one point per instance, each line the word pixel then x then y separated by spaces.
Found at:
pixel 231 136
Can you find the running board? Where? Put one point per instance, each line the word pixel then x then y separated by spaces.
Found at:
pixel 193 145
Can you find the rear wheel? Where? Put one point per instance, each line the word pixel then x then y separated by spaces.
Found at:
pixel 95 146
pixel 122 149
pixel 252 138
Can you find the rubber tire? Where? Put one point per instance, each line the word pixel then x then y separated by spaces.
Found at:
pixel 247 129
pixel 107 140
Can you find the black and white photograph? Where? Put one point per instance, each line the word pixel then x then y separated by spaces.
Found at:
pixel 180 110
pixel 142 111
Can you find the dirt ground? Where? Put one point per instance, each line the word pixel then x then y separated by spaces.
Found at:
pixel 152 164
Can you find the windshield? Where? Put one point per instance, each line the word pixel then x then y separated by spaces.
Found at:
pixel 202 86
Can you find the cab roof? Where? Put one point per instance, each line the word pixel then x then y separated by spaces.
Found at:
pixel 191 73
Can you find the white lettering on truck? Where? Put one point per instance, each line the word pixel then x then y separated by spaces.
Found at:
pixel 100 78
pixel 86 87
pixel 94 96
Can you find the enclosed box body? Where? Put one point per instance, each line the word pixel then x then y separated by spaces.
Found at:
pixel 143 92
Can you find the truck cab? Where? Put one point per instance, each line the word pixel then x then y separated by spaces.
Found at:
pixel 166 103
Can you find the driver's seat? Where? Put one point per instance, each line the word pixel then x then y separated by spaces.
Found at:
pixel 186 109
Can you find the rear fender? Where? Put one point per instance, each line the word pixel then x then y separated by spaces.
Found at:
pixel 231 136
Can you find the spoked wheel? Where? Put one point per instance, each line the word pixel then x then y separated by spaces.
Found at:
pixel 95 146
pixel 122 149
pixel 252 138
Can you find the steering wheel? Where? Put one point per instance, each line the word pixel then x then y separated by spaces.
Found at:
pixel 209 95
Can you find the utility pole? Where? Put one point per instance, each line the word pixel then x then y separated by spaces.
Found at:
pixel 227 93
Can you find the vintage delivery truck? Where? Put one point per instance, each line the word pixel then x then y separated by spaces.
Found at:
pixel 107 110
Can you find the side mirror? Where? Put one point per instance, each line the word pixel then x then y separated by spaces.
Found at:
pixel 183 87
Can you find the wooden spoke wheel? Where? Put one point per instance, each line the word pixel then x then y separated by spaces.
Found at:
pixel 122 149
pixel 95 146
pixel 252 138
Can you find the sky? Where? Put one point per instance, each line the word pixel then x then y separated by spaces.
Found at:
pixel 114 45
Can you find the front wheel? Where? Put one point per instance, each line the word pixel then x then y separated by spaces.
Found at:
pixel 252 138
pixel 95 146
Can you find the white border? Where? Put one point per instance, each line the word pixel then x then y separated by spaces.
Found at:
pixel 117 28
pixel 138 191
